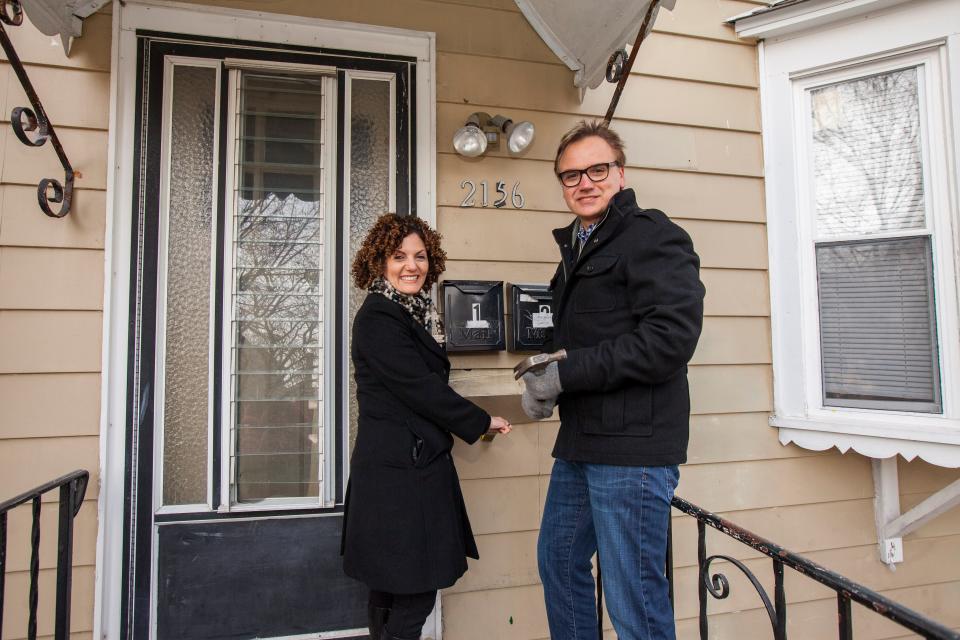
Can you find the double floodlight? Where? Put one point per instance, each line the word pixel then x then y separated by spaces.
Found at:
pixel 481 130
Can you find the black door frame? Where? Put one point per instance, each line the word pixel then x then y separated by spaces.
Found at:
pixel 152 48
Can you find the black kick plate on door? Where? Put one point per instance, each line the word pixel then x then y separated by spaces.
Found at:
pixel 255 579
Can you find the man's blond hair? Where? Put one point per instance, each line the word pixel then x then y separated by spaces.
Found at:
pixel 585 129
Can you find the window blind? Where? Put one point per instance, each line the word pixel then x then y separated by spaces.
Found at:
pixel 877 324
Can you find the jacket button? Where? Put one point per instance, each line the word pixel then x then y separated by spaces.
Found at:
pixel 590 267
pixel 596 240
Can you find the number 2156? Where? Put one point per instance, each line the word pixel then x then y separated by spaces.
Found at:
pixel 516 198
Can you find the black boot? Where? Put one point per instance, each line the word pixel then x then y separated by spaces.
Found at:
pixel 387 636
pixel 376 620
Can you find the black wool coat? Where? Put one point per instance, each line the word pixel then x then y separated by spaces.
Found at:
pixel 629 311
pixel 405 524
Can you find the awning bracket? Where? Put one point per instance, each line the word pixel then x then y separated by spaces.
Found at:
pixel 625 72
pixel 34 120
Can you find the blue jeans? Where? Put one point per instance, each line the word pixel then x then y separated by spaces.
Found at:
pixel 623 513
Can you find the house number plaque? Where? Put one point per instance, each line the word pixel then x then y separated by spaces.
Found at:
pixel 516 198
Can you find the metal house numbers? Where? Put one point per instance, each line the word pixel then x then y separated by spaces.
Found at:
pixel 515 198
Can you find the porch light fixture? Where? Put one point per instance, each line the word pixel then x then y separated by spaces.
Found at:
pixel 481 130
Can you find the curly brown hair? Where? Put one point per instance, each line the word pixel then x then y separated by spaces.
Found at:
pixel 385 237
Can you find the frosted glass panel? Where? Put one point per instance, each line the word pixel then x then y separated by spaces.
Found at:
pixel 278 256
pixel 187 331
pixel 868 173
pixel 370 134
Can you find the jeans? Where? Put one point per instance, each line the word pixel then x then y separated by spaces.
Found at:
pixel 622 513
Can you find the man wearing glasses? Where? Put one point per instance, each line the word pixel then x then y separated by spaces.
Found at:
pixel 627 312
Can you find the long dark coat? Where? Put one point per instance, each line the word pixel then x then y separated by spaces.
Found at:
pixel 405 524
pixel 628 309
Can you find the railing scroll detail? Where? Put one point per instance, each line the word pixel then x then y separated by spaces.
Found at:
pixel 34 120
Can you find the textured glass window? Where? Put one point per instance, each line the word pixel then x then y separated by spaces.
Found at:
pixel 878 333
pixel 188 258
pixel 278 257
pixel 370 111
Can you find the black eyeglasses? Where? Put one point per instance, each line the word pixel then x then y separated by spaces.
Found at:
pixel 596 173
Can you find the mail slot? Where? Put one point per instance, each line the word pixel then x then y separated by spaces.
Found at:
pixel 473 315
pixel 531 317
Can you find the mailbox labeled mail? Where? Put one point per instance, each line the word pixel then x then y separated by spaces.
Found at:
pixel 473 315
pixel 531 317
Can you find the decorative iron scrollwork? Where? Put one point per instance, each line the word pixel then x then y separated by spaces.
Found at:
pixel 616 64
pixel 719 587
pixel 25 120
pixel 14 20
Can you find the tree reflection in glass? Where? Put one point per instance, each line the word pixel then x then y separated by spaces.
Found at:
pixel 278 289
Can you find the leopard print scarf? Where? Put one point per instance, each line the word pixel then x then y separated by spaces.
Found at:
pixel 419 305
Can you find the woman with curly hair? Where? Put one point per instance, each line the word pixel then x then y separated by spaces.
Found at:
pixel 405 532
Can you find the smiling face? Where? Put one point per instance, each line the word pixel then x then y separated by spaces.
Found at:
pixel 406 267
pixel 588 199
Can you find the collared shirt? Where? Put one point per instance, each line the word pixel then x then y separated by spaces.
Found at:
pixel 581 235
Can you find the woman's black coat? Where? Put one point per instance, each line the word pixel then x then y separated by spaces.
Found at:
pixel 405 524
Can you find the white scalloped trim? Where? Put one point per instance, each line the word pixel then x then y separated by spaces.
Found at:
pixel 942 455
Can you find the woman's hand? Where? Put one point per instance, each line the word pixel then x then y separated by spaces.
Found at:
pixel 499 425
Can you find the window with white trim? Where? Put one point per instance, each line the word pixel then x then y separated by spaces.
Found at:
pixel 872 232
pixel 862 221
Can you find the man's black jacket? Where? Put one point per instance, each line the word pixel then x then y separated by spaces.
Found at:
pixel 628 311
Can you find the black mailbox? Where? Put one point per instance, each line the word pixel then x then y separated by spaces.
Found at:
pixel 473 315
pixel 531 317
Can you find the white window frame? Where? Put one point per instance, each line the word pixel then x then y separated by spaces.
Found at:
pixel 805 49
pixel 937 223
pixel 170 64
pixel 349 76
pixel 192 19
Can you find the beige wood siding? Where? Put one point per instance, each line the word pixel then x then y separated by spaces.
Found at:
pixel 51 300
pixel 691 119
pixel 690 116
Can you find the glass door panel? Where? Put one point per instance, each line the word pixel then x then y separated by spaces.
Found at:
pixel 278 322
pixel 183 369
pixel 372 183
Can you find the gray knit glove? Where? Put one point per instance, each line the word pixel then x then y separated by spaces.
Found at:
pixel 536 409
pixel 544 384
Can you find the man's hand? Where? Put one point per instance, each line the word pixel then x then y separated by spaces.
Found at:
pixel 536 409
pixel 543 384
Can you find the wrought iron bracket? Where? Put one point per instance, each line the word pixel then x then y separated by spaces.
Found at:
pixel 35 121
pixel 622 72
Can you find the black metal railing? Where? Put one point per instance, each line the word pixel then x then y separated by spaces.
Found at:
pixel 718 586
pixel 72 487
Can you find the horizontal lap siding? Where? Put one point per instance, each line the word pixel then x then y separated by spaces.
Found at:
pixel 51 300
pixel 690 119
pixel 694 151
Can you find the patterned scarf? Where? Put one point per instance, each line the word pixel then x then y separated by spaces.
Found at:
pixel 419 305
